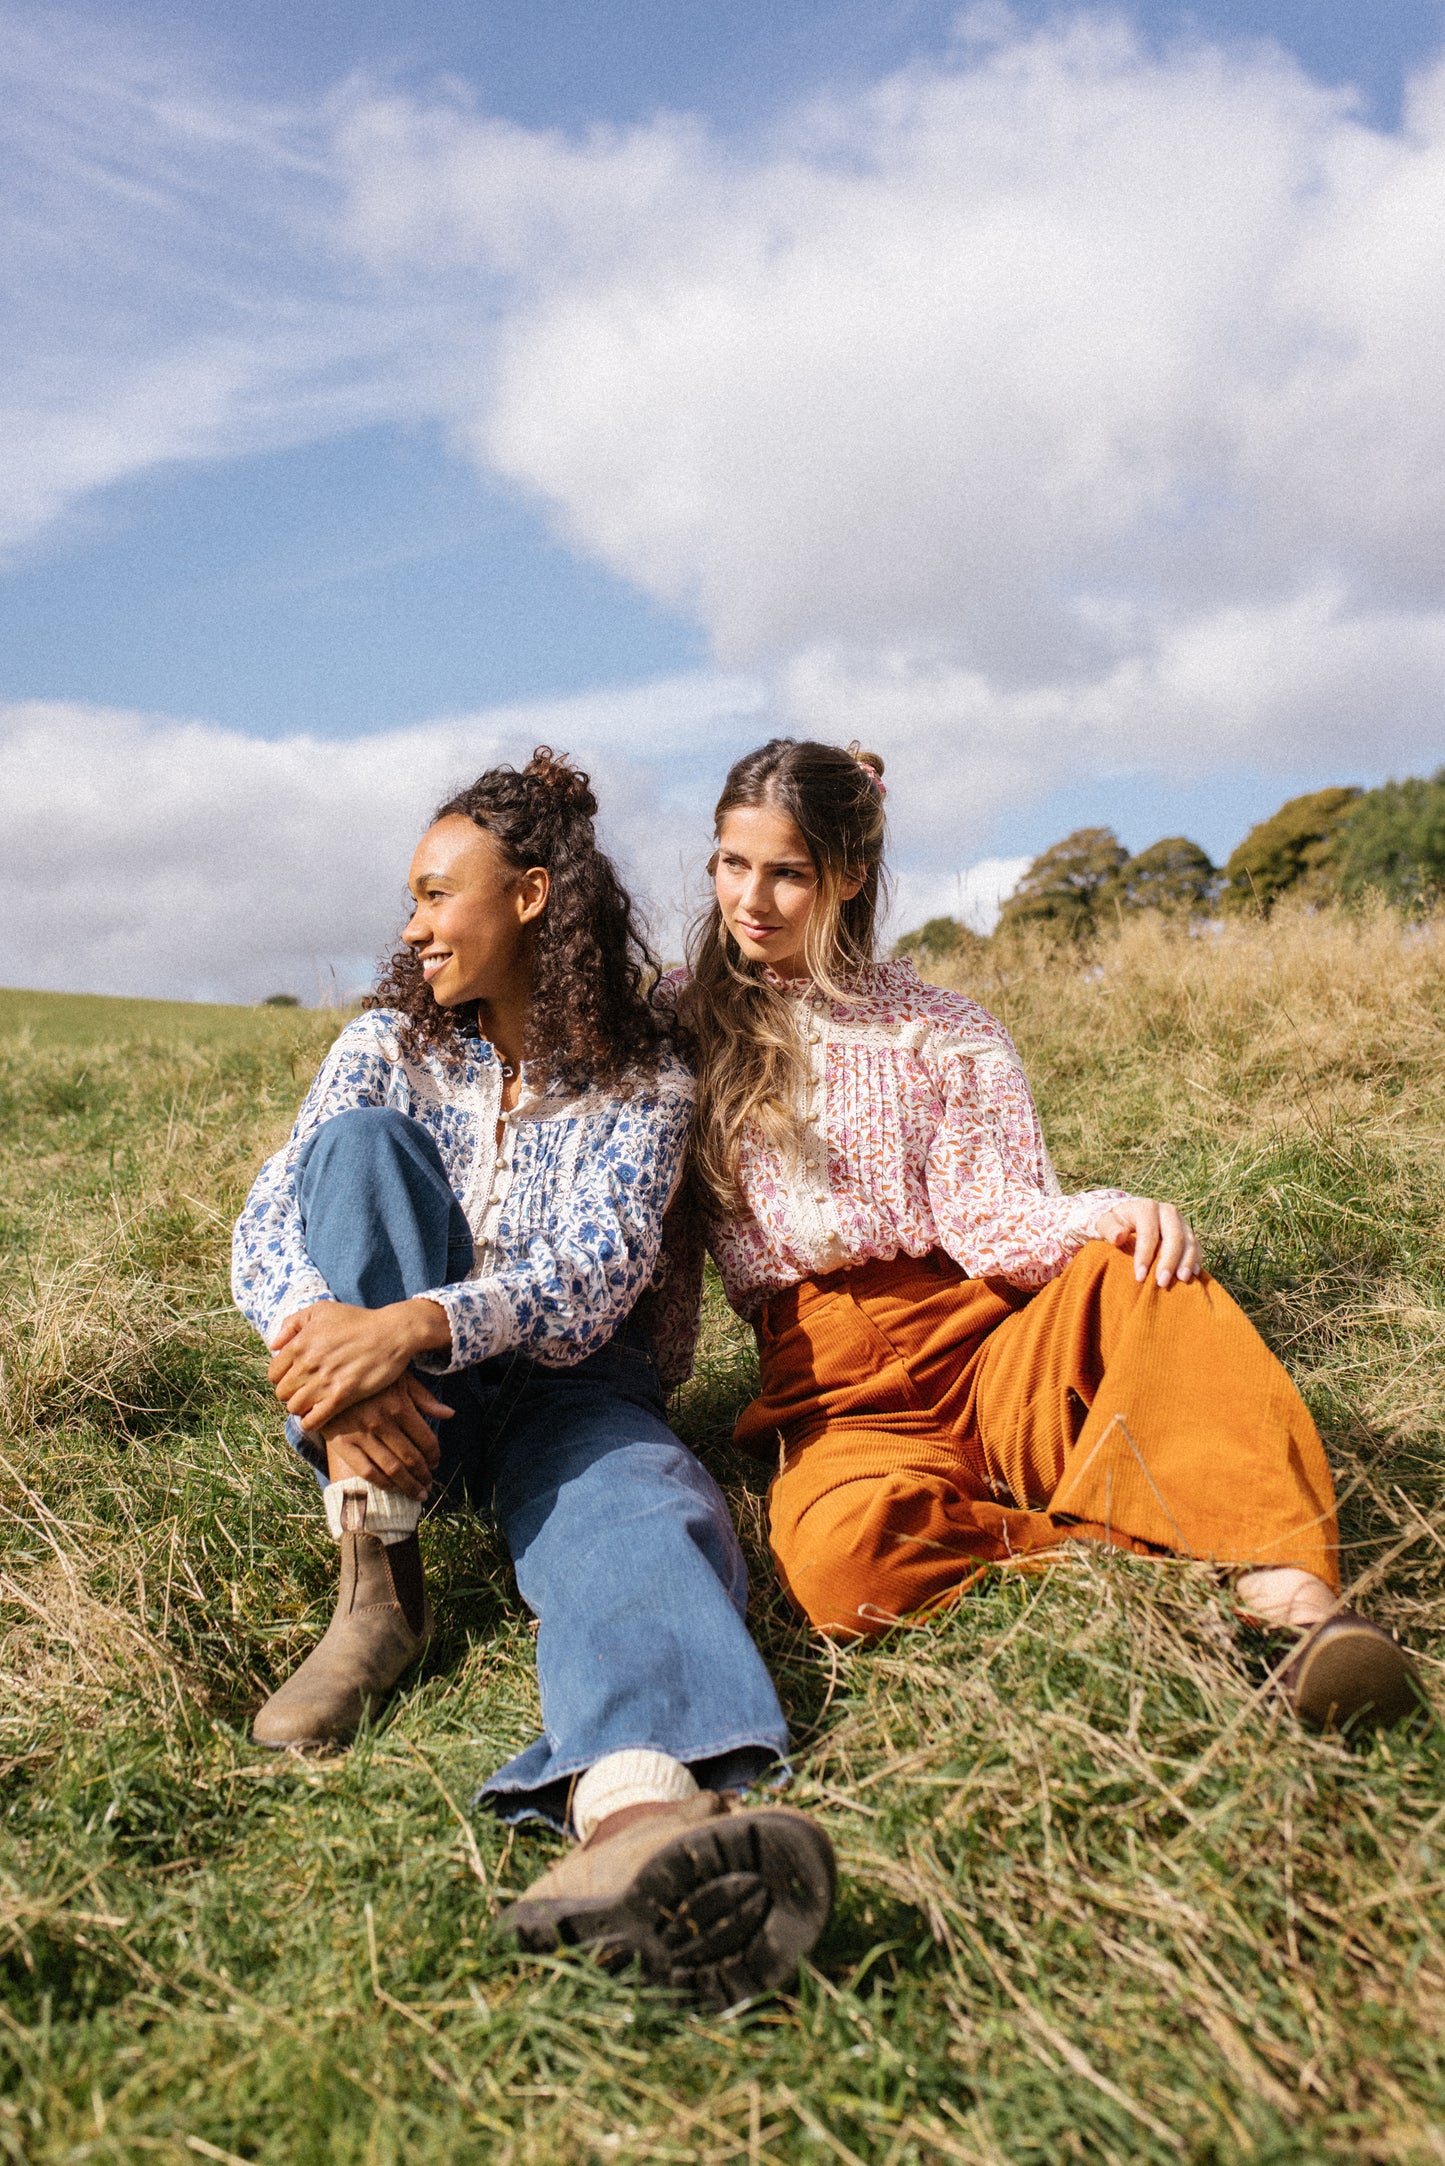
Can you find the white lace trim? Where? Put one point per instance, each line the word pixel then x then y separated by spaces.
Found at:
pixel 818 1237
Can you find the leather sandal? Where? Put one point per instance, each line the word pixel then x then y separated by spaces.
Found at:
pixel 1351 1673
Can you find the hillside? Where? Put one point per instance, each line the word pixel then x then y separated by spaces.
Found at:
pixel 1101 1899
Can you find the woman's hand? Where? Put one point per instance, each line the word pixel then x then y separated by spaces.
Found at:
pixel 1153 1230
pixel 330 1357
pixel 386 1440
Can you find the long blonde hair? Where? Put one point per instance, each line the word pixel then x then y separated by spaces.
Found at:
pixel 744 1031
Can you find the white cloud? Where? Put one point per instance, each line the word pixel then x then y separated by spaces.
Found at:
pixel 974 895
pixel 1028 358
pixel 1066 409
pixel 1300 683
pixel 144 855
pixel 173 283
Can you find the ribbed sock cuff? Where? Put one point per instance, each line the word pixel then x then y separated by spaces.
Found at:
pixel 390 1516
pixel 619 1779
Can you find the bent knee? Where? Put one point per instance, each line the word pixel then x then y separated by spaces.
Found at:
pixel 368 1127
pixel 865 1555
pixel 363 1136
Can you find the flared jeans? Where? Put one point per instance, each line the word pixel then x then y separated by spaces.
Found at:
pixel 622 1543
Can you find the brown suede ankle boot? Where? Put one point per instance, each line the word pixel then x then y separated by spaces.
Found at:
pixel 719 1900
pixel 383 1620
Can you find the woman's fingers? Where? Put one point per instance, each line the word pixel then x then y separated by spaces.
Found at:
pixel 399 1458
pixel 348 1456
pixel 1145 1215
pixel 1159 1234
pixel 319 1405
pixel 279 1368
pixel 427 1400
pixel 410 1419
pixel 1172 1235
pixel 397 1462
pixel 391 1430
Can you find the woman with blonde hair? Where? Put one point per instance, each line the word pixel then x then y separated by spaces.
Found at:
pixel 961 1366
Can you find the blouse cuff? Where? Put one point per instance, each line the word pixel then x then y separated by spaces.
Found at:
pixel 481 1320
pixel 305 1288
pixel 1082 1223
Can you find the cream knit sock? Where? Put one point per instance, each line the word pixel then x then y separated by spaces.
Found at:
pixel 619 1779
pixel 390 1516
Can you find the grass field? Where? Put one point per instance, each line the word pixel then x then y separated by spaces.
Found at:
pixel 1101 1899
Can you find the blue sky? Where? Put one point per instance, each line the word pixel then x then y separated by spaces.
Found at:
pixel 470 369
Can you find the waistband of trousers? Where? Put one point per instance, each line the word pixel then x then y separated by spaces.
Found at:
pixel 880 1275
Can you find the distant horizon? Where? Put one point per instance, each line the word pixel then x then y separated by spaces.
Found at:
pixel 287 999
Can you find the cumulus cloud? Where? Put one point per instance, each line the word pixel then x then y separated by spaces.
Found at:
pixel 188 862
pixel 1024 355
pixel 1071 406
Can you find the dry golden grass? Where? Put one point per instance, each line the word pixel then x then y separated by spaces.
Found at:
pixel 1102 1900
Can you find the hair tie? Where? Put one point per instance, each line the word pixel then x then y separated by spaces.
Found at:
pixel 871 765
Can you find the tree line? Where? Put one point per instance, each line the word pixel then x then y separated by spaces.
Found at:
pixel 1330 845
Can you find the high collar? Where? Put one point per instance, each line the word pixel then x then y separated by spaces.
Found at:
pixel 894 976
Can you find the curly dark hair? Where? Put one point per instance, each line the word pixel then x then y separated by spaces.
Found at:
pixel 591 1020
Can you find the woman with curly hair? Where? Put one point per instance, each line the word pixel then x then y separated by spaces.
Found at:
pixel 961 1366
pixel 446 1260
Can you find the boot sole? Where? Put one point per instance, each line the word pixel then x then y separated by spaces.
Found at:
pixel 725 1911
pixel 1355 1679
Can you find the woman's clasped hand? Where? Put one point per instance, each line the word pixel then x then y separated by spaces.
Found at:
pixel 342 1372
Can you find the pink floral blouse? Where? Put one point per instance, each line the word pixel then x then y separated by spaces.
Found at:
pixel 919 1132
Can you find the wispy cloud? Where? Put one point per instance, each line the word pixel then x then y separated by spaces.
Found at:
pixel 175 287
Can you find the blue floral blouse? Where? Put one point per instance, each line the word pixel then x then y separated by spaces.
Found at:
pixel 577 1236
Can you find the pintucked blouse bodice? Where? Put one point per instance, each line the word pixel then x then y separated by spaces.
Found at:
pixel 916 1130
pixel 566 1211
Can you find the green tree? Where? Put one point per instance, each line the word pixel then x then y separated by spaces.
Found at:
pixel 1061 890
pixel 1292 850
pixel 1174 876
pixel 938 938
pixel 1393 840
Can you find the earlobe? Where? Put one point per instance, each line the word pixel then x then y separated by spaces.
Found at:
pixel 851 887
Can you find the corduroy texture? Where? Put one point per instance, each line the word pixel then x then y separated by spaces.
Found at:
pixel 390 1516
pixel 926 1425
pixel 619 1779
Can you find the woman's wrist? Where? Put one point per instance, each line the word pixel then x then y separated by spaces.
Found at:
pixel 423 1326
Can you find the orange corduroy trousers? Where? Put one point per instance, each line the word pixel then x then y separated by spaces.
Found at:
pixel 925 1425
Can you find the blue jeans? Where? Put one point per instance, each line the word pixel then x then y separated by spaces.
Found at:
pixel 622 1543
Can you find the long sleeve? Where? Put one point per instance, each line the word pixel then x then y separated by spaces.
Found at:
pixel 271 1274
pixel 995 1198
pixel 673 1306
pixel 578 1269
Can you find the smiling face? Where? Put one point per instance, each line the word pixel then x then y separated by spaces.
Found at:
pixel 767 885
pixel 471 916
